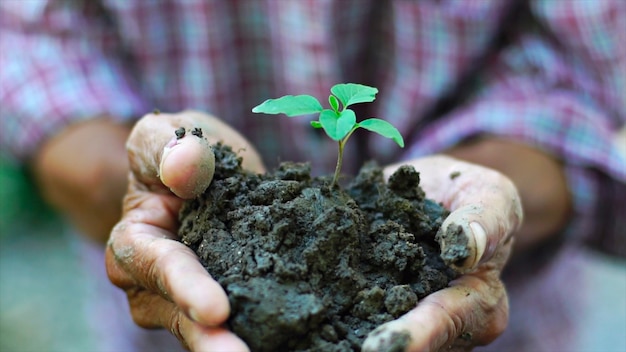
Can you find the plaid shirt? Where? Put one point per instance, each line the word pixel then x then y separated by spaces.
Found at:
pixel 551 74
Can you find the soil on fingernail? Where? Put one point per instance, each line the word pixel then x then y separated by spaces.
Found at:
pixel 197 131
pixel 455 239
pixel 180 132
pixel 391 341
pixel 310 268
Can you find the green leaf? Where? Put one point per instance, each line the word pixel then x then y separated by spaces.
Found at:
pixel 352 93
pixel 290 105
pixel 316 124
pixel 336 125
pixel 332 100
pixel 384 129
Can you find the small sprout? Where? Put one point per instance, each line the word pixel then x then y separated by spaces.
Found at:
pixel 156 111
pixel 180 132
pixel 455 174
pixel 339 122
pixel 197 131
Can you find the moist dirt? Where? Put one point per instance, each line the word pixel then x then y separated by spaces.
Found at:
pixel 310 268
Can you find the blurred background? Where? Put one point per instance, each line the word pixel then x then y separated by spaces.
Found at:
pixel 51 279
pixel 45 288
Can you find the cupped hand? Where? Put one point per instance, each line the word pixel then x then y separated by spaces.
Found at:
pixel 165 283
pixel 473 310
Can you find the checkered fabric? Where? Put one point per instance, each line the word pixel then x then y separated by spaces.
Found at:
pixel 548 73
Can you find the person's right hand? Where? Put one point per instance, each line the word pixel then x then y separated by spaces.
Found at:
pixel 165 283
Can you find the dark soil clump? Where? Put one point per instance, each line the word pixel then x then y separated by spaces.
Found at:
pixel 309 268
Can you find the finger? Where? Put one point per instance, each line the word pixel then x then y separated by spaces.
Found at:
pixel 150 310
pixel 171 151
pixel 440 321
pixel 486 208
pixel 187 166
pixel 158 211
pixel 143 254
pixel 172 270
pixel 147 309
pixel 473 311
pixel 208 339
pixel 174 150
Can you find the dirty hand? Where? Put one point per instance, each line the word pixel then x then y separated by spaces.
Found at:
pixel 165 283
pixel 473 310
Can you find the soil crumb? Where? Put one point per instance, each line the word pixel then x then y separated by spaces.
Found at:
pixel 197 131
pixel 180 132
pixel 307 268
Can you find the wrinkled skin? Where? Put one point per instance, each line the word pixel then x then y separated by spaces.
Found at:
pixel 473 310
pixel 167 286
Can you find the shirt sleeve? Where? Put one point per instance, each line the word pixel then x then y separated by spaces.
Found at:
pixel 61 63
pixel 560 88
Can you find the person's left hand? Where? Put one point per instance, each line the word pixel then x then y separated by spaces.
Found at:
pixel 473 310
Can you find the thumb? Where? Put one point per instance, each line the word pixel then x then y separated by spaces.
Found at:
pixel 170 152
pixel 485 208
pixel 486 211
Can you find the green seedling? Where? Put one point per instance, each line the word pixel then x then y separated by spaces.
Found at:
pixel 339 122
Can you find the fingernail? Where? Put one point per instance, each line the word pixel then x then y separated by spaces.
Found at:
pixel 166 151
pixel 480 237
pixel 172 142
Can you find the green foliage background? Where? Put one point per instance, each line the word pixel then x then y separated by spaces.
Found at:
pixel 19 200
